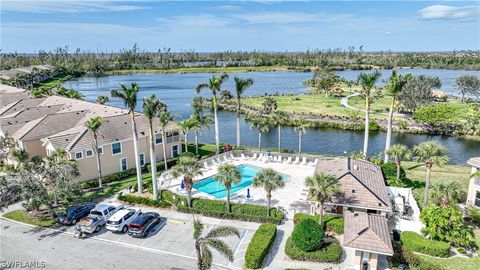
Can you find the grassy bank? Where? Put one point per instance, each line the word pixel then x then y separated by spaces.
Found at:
pixel 54 81
pixel 23 216
pixel 201 70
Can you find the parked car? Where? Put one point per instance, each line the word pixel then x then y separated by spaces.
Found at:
pixel 119 221
pixel 75 213
pixel 143 224
pixel 98 217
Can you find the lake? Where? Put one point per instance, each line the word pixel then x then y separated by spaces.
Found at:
pixel 177 91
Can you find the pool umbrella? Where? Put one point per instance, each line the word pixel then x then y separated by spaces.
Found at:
pixel 248 193
pixel 182 186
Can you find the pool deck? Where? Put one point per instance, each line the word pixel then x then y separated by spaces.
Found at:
pixel 291 198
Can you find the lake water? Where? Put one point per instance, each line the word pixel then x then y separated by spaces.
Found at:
pixel 177 91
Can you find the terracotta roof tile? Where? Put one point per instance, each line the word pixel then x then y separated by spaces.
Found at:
pixel 367 232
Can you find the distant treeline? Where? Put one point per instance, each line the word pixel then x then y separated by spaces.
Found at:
pixel 135 59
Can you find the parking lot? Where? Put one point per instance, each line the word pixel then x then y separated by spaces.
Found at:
pixel 173 236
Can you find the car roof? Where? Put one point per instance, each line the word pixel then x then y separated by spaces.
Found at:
pixel 121 213
pixel 104 206
pixel 141 219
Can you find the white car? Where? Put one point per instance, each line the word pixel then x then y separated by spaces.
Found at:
pixel 98 217
pixel 120 220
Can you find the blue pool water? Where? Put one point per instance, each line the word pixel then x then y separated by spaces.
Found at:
pixel 211 186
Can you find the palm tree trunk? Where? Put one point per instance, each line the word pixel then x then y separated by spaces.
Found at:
pixel 137 158
pixel 164 147
pixel 427 186
pixel 217 135
pixel 321 214
pixel 299 143
pixel 279 138
pixel 259 141
pixel 228 200
pixel 269 198
pixel 196 142
pixel 153 163
pixel 199 256
pixel 367 126
pixel 238 122
pixel 99 166
pixel 186 140
pixel 397 161
pixel 389 130
pixel 189 197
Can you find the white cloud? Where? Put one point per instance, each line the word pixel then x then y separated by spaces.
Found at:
pixel 227 8
pixel 65 6
pixel 442 12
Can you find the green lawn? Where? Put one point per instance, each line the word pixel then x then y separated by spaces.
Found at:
pixel 54 81
pixel 23 216
pixel 112 188
pixel 453 263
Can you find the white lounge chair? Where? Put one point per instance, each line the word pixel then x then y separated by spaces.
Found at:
pixel 304 161
pixel 205 165
pixel 232 157
pixel 254 157
pixel 297 160
pixel 314 163
pixel 243 156
pixel 289 160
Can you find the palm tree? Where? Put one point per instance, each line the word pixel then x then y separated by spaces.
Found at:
pixel 399 152
pixel 270 180
pixel 151 107
pixel 228 176
pixel 93 124
pixel 261 124
pixel 447 191
pixel 430 153
pixel 269 105
pixel 322 187
pixel 394 87
pixel 164 117
pixel 279 118
pixel 367 81
pixel 185 126
pixel 102 99
pixel 187 166
pixel 301 126
pixel 198 121
pixel 210 240
pixel 214 84
pixel 129 98
pixel 240 86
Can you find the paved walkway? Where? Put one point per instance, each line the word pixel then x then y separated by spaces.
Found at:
pixel 344 103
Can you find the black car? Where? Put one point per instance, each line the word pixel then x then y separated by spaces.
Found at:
pixel 141 225
pixel 74 214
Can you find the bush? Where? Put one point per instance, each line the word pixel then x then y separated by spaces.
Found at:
pixel 307 235
pixel 259 245
pixel 415 242
pixel 331 252
pixel 329 222
pixel 144 201
pixel 474 214
pixel 389 170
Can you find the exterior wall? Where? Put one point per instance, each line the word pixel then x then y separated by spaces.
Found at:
pixel 372 260
pixel 111 163
pixel 34 148
pixel 473 188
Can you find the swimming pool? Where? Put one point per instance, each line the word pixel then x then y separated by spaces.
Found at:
pixel 212 187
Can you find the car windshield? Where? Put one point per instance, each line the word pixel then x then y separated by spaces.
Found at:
pixel 96 213
pixel 112 222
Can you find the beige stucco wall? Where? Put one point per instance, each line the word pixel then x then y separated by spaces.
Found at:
pixel 34 148
pixel 473 188
pixel 372 261
pixel 111 163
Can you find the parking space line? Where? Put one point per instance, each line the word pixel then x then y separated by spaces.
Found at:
pixel 176 221
pixel 157 229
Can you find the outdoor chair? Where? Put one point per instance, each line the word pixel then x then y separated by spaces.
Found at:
pixel 205 165
pixel 313 163
pixel 254 157
pixel 243 156
pixel 289 160
pixel 297 160
pixel 232 157
pixel 304 161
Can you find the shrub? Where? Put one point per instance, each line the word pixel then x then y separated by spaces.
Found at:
pixel 144 201
pixel 307 235
pixel 474 214
pixel 329 222
pixel 259 245
pixel 373 126
pixel 330 252
pixel 389 170
pixel 415 242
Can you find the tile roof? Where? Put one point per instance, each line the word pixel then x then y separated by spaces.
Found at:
pixel 368 232
pixel 20 105
pixel 474 161
pixel 361 181
pixel 10 89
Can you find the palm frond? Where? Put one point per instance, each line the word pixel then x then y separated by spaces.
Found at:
pixel 223 231
pixel 220 246
pixel 207 258
pixel 200 87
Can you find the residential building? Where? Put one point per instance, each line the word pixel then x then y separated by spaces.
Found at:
pixel 473 196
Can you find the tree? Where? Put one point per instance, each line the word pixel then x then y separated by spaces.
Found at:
pixel 225 95
pixel 165 118
pixel 446 192
pixel 399 152
pixel 430 153
pixel 262 125
pixel 5 145
pixel 301 126
pixel 228 176
pixel 279 118
pixel 241 86
pixel 394 87
pixel 270 181
pixel 188 167
pixel 468 85
pixel 437 115
pixel 269 105
pixel 129 98
pixel 198 122
pixel 367 82
pixel 151 107
pixel 102 99
pixel 214 85
pixel 185 126
pixel 417 92
pixel 210 240
pixel 322 187
pixel 94 124
pixel 325 80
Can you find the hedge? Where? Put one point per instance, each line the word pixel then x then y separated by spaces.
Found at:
pixel 415 242
pixel 389 169
pixel 144 201
pixel 417 261
pixel 308 235
pixel 330 252
pixel 260 245
pixel 329 222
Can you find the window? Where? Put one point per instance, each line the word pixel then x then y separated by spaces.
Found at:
pixel 100 150
pixel 174 150
pixel 142 159
pixel 123 164
pixel 116 148
pixel 158 138
pixel 477 199
pixel 105 212
pixel 173 137
pixel 78 155
pixel 89 153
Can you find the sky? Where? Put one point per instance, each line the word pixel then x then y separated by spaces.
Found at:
pixel 208 26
